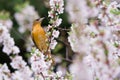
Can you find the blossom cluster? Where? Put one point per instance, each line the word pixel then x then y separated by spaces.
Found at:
pixel 7 42
pixel 25 18
pixel 38 63
pixel 17 61
pixel 109 14
pixel 97 44
pixel 79 11
pixel 4 72
pixel 41 67
pixel 5 19
pixel 22 70
pixel 56 7
pixel 8 23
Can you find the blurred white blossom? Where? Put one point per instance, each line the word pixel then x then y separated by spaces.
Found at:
pixel 80 71
pixel 8 23
pixel 29 43
pixel 97 45
pixel 26 17
pixel 5 19
pixel 8 42
pixel 59 73
pixel 79 11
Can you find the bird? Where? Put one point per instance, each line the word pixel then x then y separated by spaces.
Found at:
pixel 39 37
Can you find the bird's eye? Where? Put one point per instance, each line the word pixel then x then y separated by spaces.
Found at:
pixel 37 19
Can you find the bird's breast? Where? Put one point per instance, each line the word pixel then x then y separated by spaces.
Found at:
pixel 39 37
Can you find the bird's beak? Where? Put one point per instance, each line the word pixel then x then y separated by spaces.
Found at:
pixel 41 19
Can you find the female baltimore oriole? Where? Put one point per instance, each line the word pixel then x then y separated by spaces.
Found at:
pixel 39 37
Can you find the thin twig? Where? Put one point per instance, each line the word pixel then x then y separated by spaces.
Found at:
pixel 62 29
pixel 42 75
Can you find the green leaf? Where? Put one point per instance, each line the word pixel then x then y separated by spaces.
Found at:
pixel 116 44
pixel 106 52
pixel 115 11
pixel 92 34
pixel 4 15
pixel 19 7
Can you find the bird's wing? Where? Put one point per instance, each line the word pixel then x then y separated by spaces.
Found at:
pixel 33 39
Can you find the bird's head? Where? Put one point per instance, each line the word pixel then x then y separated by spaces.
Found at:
pixel 38 21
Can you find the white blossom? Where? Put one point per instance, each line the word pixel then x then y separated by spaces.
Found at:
pixel 38 64
pixel 23 74
pixel 8 23
pixel 7 41
pixel 97 45
pixel 79 11
pixel 50 14
pixel 57 22
pixel 57 5
pixel 15 49
pixel 55 33
pixel 5 72
pixel 26 17
pixel 79 70
pixel 59 73
pixel 18 62
pixel 110 18
pixel 53 44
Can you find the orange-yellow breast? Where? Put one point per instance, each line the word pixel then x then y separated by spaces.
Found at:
pixel 39 37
